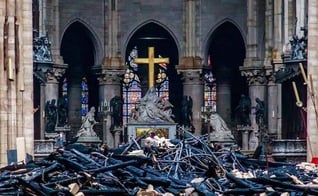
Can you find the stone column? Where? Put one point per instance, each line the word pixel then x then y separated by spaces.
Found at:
pixel 109 87
pixel 312 127
pixel 223 104
pixel 278 25
pixel 193 86
pixel 251 45
pixel 272 107
pixel 190 64
pixel 256 78
pixel 74 107
pixel 269 33
pixel 52 24
pixel 51 89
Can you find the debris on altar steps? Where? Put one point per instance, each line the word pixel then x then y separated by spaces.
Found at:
pixel 188 166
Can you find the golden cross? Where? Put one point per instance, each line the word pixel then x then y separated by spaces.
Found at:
pixel 151 60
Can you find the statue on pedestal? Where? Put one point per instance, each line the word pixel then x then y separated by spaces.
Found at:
pixel 243 111
pixel 116 105
pixel 220 128
pixel 62 111
pixel 259 111
pixel 154 109
pixel 51 116
pixel 87 127
pixel 186 111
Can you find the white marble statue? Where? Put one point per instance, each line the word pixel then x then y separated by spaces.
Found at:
pixel 87 127
pixel 220 128
pixel 153 108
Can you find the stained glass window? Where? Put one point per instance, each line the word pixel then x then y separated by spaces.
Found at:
pixel 162 83
pixel 64 88
pixel 131 87
pixel 131 95
pixel 210 90
pixel 84 97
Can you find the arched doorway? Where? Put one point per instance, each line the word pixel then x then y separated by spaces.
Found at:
pixel 226 54
pixel 154 35
pixel 78 52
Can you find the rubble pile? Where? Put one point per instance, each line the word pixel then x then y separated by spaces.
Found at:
pixel 186 166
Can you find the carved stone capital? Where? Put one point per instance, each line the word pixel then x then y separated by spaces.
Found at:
pixel 191 76
pixel 48 72
pixel 254 75
pixel 55 74
pixel 110 76
pixel 270 74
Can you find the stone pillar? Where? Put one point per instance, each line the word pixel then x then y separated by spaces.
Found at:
pixel 269 24
pixel 272 107
pixel 52 24
pixel 278 25
pixel 193 87
pixel 223 104
pixel 251 45
pixel 256 78
pixel 51 89
pixel 74 107
pixel 117 133
pixel 312 124
pixel 42 109
pixel 109 87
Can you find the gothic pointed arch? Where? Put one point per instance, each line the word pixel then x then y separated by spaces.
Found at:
pixel 225 53
pixel 154 34
pixel 79 52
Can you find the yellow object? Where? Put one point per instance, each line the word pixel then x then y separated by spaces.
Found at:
pixel 151 61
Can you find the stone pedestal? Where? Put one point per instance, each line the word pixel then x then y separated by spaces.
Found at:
pixel 116 133
pixel 62 133
pixel 290 150
pixel 161 129
pixel 245 132
pixel 89 141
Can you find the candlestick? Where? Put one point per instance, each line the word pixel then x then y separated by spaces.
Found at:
pixel 298 102
pixel 303 73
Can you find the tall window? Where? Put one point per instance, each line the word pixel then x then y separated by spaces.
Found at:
pixel 131 87
pixel 84 97
pixel 64 88
pixel 131 94
pixel 162 84
pixel 209 90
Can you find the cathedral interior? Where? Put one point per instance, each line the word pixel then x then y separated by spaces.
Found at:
pixel 61 58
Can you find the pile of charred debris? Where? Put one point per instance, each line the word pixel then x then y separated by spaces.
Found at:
pixel 186 166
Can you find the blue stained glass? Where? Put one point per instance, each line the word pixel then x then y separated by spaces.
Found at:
pixel 84 97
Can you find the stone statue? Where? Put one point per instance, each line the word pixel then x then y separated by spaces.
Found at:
pixel 42 49
pixel 259 111
pixel 51 116
pixel 62 111
pixel 186 110
pixel 220 128
pixel 116 108
pixel 154 109
pixel 243 111
pixel 87 127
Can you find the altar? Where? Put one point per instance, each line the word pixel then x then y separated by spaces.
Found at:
pixel 162 129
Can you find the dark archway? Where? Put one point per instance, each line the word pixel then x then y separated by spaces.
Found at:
pixel 153 35
pixel 227 53
pixel 78 52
